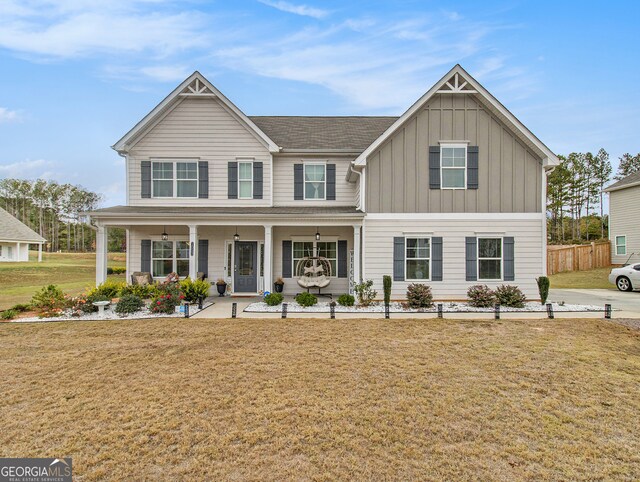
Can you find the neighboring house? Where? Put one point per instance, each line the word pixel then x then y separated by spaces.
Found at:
pixel 15 238
pixel 451 193
pixel 624 219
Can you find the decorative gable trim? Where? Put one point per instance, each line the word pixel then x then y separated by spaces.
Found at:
pixel 459 81
pixel 194 86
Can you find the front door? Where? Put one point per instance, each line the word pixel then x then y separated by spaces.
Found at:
pixel 246 267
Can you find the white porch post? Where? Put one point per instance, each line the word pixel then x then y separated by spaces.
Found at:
pixel 19 254
pixel 101 254
pixel 193 251
pixel 268 257
pixel 356 254
pixel 40 253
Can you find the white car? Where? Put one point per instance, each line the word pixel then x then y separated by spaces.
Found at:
pixel 626 278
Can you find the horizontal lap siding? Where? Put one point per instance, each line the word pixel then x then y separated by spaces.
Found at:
pixel 283 182
pixel 624 220
pixel 378 262
pixel 199 129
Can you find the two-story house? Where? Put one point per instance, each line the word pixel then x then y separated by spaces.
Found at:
pixel 451 193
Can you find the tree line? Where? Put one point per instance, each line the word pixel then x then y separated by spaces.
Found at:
pixel 575 197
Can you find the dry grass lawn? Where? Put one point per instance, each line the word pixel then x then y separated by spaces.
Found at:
pixel 590 279
pixel 325 400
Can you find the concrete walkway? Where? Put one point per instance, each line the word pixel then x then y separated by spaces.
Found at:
pixel 625 301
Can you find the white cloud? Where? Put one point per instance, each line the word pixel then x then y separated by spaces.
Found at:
pixel 303 10
pixel 28 169
pixel 7 115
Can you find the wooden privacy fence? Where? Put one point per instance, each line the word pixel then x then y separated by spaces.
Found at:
pixel 578 257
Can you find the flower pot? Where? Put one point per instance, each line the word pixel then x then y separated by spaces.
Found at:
pixel 221 289
pixel 278 287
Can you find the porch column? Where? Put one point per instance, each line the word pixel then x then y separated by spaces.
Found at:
pixel 193 251
pixel 101 254
pixel 356 254
pixel 18 253
pixel 40 253
pixel 268 258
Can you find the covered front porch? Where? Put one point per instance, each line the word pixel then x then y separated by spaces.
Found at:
pixel 249 251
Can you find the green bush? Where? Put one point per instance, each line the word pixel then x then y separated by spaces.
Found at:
pixel 49 299
pixel 543 288
pixel 142 291
pixel 386 283
pixel 306 299
pixel 365 292
pixel 84 303
pixel 273 299
pixel 9 314
pixel 346 300
pixel 21 307
pixel 109 289
pixel 481 296
pixel 116 270
pixel 509 295
pixel 419 296
pixel 129 304
pixel 194 290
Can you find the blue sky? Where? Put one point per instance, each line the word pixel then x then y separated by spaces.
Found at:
pixel 77 74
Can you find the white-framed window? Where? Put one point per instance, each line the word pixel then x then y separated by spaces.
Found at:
pixel 245 179
pixel 174 179
pixel 490 259
pixel 453 166
pixel 621 245
pixel 10 252
pixel 326 249
pixel 315 181
pixel 417 258
pixel 169 256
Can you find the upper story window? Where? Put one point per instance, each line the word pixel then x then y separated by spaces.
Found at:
pixel 418 258
pixel 245 180
pixel 621 245
pixel 489 259
pixel 315 181
pixel 174 179
pixel 453 166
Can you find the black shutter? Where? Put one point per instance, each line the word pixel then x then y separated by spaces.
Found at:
pixel 145 179
pixel 257 180
pixel 342 258
pixel 434 167
pixel 331 182
pixel 472 167
pixel 508 254
pixel 145 256
pixel 436 259
pixel 471 250
pixel 232 175
pixel 203 179
pixel 286 259
pixel 298 182
pixel 203 256
pixel 398 259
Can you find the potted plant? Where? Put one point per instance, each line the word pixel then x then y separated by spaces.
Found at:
pixel 221 285
pixel 279 285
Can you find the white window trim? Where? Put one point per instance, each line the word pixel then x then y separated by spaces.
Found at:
pixel 300 239
pixel 175 178
pixel 304 180
pixel 417 236
pixel 175 258
pixel 615 242
pixel 501 258
pixel 464 168
pixel 245 161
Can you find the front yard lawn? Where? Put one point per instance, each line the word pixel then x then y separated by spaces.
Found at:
pixel 177 399
pixel 590 279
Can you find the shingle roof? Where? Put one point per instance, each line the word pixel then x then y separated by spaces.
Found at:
pixel 630 180
pixel 323 133
pixel 221 211
pixel 13 230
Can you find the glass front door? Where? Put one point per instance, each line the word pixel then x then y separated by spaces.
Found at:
pixel 246 264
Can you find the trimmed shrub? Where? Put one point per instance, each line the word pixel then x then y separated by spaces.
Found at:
pixel 129 304
pixel 419 296
pixel 165 303
pixel 386 283
pixel 273 299
pixel 365 292
pixel 481 296
pixel 142 291
pixel 510 295
pixel 109 289
pixel 116 270
pixel 9 314
pixel 346 300
pixel 49 299
pixel 306 299
pixel 194 290
pixel 543 288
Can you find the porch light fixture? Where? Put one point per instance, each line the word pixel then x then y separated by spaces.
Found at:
pixel 236 237
pixel 317 234
pixel 165 236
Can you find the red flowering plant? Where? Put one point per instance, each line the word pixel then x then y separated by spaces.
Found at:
pixel 168 295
